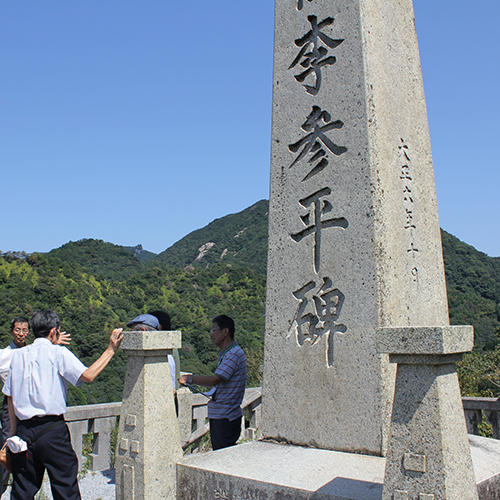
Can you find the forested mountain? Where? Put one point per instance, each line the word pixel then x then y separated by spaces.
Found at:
pixel 140 253
pixel 96 257
pixel 473 284
pixel 240 238
pixel 96 286
pixel 472 276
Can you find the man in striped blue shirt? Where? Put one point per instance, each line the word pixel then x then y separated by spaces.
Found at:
pixel 229 379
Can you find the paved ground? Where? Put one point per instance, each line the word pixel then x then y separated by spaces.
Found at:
pixel 93 486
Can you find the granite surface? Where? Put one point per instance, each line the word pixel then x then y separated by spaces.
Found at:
pixel 271 471
pixel 354 240
pixel 148 444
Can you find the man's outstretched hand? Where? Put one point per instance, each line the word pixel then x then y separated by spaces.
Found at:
pixel 115 339
pixel 64 338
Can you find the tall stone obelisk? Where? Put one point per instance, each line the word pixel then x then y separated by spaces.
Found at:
pixel 354 239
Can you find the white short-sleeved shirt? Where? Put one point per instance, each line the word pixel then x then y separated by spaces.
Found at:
pixel 171 365
pixel 5 357
pixel 39 376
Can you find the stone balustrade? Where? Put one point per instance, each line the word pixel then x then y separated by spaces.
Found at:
pixel 100 420
pixel 478 408
pixel 250 424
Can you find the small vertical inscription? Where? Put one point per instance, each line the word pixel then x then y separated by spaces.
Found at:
pixel 414 274
pixel 406 178
pixel 123 444
pixel 314 53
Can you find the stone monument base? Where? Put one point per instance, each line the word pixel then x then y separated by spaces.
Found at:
pixel 264 471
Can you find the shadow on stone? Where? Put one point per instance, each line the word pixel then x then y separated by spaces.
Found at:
pixel 349 488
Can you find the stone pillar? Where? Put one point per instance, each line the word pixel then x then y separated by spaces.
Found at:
pixel 77 429
pixel 148 444
pixel 100 458
pixel 185 418
pixel 429 455
pixel 354 239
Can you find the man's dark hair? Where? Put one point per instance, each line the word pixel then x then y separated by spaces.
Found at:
pixel 18 319
pixel 43 321
pixel 164 319
pixel 224 321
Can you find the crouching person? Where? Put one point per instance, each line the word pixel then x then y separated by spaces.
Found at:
pixel 36 389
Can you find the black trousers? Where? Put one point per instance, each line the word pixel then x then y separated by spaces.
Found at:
pixel 4 435
pixel 224 432
pixel 49 448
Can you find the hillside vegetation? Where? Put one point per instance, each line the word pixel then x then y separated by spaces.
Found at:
pixel 96 286
pixel 240 238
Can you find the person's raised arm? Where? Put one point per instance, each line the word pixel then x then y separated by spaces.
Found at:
pixel 207 380
pixel 115 339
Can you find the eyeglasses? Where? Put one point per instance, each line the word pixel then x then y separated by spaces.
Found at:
pixel 21 330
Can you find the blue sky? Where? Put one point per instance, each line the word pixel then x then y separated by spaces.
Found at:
pixel 140 122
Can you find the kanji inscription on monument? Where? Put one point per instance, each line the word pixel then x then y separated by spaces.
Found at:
pixel 313 144
pixel 319 309
pixel 314 53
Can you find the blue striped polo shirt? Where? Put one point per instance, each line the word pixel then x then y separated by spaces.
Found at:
pixel 229 394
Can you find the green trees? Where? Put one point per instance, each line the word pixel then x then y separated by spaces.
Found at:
pixel 90 306
pixel 96 286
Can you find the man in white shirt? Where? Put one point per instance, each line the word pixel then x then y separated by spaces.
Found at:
pixel 36 388
pixel 19 329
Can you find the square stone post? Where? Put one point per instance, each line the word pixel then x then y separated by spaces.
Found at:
pixel 429 455
pixel 76 430
pixel 185 418
pixel 149 443
pixel 100 458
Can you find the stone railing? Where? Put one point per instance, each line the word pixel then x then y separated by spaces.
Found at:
pixel 100 420
pixel 199 426
pixel 477 409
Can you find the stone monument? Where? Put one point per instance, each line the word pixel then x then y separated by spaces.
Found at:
pixel 354 240
pixel 149 443
pixel 354 266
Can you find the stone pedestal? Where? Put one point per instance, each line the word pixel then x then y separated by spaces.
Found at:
pixel 429 455
pixel 270 471
pixel 148 437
